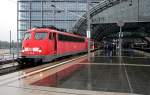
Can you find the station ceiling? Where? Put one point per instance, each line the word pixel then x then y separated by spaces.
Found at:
pixel 136 25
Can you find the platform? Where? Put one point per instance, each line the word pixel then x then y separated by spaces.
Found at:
pixel 104 75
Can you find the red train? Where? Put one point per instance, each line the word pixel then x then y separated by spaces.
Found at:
pixel 46 44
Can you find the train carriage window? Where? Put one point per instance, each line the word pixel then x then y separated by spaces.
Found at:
pixel 27 36
pixel 62 37
pixel 40 35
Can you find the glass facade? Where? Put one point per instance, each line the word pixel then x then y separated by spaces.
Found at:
pixel 60 13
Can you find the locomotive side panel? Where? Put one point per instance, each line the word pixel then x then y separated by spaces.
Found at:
pixel 70 47
pixel 68 44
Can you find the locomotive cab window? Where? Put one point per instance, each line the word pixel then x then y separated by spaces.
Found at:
pixel 40 35
pixel 27 36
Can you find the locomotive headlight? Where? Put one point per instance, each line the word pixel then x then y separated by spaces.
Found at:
pixel 40 50
pixel 22 49
pixel 35 49
pixel 26 49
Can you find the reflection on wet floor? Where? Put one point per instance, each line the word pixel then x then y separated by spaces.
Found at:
pixel 115 53
pixel 105 77
pixel 102 78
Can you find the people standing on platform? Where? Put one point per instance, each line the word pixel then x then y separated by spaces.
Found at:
pixel 108 49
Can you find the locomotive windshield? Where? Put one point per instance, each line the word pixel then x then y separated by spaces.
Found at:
pixel 27 36
pixel 40 35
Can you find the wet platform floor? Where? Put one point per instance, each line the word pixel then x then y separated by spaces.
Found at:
pixel 103 75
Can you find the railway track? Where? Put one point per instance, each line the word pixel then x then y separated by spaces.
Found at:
pixel 14 67
pixel 8 68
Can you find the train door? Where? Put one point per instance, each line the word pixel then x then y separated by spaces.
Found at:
pixel 53 39
pixel 55 42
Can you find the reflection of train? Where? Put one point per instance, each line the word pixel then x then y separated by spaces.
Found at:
pixel 46 44
pixel 57 75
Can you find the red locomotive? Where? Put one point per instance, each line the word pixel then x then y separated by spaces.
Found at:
pixel 46 44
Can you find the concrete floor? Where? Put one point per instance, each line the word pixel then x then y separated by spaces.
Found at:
pixel 104 75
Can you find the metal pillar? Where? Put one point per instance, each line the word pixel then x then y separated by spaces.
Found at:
pixel 88 28
pixel 41 12
pixel 54 12
pixel 30 14
pixel 10 42
pixel 138 11
pixel 17 29
pixel 89 86
pixel 120 41
pixel 120 24
pixel 54 15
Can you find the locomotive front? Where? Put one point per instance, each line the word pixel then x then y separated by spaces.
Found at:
pixel 34 46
